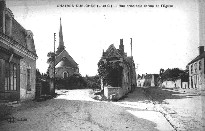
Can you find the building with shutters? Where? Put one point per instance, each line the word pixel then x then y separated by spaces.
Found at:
pixel 17 58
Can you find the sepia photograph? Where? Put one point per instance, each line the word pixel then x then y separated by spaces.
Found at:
pixel 102 65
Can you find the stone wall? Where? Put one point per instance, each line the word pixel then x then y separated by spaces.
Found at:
pixel 168 84
pixel 60 70
pixel 112 93
pixel 26 92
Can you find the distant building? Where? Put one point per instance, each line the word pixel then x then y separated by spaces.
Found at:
pixel 140 80
pixel 65 65
pixel 197 70
pixel 147 80
pixel 122 79
pixel 178 83
pixel 174 78
pixel 17 58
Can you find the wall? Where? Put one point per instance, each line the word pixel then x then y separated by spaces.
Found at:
pixel 168 84
pixel 196 77
pixel 24 64
pixel 116 91
pixel 140 82
pixel 60 70
pixel 178 83
pixel 152 81
pixel 119 92
pixel 126 84
pixel 185 85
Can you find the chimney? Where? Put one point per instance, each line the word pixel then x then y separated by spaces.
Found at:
pixel 121 47
pixel 201 49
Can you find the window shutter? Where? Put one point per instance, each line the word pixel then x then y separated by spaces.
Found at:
pixel 2 66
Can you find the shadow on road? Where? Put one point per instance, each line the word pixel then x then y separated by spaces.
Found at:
pixel 155 94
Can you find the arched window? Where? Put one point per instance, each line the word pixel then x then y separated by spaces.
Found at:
pixel 65 74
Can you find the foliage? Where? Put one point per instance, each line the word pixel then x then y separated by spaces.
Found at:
pixel 75 81
pixel 110 72
pixel 38 74
pixel 51 57
pixel 93 82
pixel 172 74
pixel 147 82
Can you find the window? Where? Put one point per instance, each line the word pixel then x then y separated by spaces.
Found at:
pixel 191 69
pixel 195 67
pixel 28 79
pixel 65 74
pixel 199 65
pixel 10 76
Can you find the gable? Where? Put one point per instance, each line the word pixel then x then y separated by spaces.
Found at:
pixel 112 52
pixel 65 54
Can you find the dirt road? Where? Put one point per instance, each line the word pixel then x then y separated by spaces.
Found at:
pixel 74 110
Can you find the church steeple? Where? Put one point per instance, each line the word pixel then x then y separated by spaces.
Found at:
pixel 61 46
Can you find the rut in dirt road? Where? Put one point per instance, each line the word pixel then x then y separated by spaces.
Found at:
pixel 63 114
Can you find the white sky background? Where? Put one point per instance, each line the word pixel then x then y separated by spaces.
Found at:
pixel 162 37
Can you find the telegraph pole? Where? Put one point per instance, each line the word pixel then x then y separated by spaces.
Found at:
pixel 131 46
pixel 54 84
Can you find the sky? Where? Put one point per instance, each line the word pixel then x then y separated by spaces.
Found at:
pixel 161 37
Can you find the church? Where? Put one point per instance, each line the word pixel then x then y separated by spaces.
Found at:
pixel 65 65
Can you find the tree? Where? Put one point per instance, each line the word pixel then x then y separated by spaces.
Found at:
pixel 171 74
pixel 51 57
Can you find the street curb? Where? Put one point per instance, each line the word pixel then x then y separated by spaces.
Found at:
pixel 175 123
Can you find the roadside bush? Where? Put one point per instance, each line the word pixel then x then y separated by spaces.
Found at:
pixel 4 111
pixel 92 82
pixel 75 81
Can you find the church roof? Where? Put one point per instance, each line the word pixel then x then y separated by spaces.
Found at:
pixel 64 63
pixel 64 59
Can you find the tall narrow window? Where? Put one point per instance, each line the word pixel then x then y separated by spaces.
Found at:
pixel 195 67
pixel 15 77
pixel 199 65
pixel 191 69
pixel 6 85
pixel 65 74
pixel 28 79
pixel 10 76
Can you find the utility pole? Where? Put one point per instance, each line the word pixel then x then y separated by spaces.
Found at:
pixel 54 72
pixel 131 46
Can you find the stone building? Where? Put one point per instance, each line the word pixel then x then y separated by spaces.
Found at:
pixel 122 79
pixel 197 70
pixel 17 58
pixel 147 80
pixel 65 65
pixel 197 65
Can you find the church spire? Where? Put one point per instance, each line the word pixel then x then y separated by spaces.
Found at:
pixel 61 46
